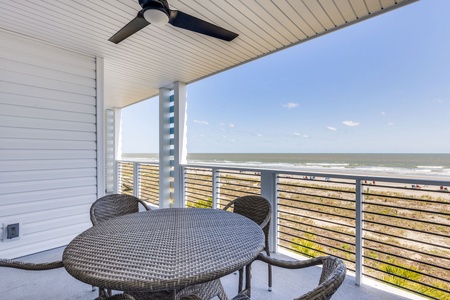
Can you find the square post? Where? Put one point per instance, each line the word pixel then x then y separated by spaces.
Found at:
pixel 269 191
pixel 164 148
pixel 180 151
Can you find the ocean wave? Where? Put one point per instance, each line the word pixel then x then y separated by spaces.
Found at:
pixel 327 164
pixel 343 168
pixel 430 167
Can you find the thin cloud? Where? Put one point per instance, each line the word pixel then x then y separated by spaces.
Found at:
pixel 259 135
pixel 383 113
pixel 331 128
pixel 300 135
pixel 201 122
pixel 350 123
pixel 231 125
pixel 291 105
pixel 390 124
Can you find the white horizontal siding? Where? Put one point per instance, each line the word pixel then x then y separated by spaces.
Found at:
pixel 48 143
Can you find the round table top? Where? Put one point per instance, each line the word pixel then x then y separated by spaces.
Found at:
pixel 163 249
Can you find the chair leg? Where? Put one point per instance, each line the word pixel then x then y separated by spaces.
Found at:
pixel 269 267
pixel 248 279
pixel 241 280
pixel 102 292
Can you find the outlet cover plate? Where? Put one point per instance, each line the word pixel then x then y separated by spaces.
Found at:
pixel 12 228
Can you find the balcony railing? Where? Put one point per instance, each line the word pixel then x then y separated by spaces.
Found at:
pixel 396 230
pixel 140 179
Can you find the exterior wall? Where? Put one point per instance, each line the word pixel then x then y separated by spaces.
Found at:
pixel 48 143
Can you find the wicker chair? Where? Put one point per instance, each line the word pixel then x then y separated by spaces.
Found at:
pixel 259 210
pixel 111 206
pixel 116 297
pixel 332 276
pixel 204 291
pixel 114 205
pixel 10 263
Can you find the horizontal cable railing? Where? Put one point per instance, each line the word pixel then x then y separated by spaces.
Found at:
pixel 125 178
pixel 407 236
pixel 395 230
pixel 149 183
pixel 316 216
pixel 237 183
pixel 198 185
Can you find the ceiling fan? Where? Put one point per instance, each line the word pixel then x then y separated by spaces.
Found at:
pixel 158 12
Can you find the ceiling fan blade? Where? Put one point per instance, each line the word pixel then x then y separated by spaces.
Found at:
pixel 185 21
pixel 134 26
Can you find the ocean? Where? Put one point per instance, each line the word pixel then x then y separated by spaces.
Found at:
pixel 417 165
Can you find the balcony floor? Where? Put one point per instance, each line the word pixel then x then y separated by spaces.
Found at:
pixel 58 284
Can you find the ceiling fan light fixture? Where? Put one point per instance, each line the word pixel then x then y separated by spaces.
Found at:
pixel 156 16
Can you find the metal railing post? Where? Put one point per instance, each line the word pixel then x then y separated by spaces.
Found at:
pixel 183 186
pixel 215 187
pixel 269 191
pixel 359 232
pixel 136 179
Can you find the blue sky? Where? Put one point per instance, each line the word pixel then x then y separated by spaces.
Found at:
pixel 380 86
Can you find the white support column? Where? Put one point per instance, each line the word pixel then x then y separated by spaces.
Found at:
pixel 179 141
pixel 110 157
pixel 164 148
pixel 269 191
pixel 118 133
pixel 100 127
pixel 117 145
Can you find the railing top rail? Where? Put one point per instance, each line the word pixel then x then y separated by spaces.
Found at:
pixel 138 161
pixel 405 179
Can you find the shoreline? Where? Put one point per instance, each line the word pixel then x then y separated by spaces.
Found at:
pixel 284 167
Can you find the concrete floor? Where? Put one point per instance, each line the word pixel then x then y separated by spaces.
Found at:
pixel 58 284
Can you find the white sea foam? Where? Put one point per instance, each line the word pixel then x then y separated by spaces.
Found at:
pixel 436 165
pixel 430 167
pixel 326 164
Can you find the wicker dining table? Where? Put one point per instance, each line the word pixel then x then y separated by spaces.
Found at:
pixel 163 249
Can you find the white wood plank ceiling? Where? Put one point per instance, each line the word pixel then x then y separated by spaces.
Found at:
pixel 157 56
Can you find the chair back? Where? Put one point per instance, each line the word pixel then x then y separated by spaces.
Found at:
pixel 331 278
pixel 256 208
pixel 333 275
pixel 114 205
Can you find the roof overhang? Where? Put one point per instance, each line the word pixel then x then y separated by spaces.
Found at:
pixel 158 56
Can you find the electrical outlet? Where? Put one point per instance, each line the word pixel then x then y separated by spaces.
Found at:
pixel 11 231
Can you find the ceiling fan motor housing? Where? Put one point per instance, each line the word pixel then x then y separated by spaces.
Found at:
pixel 160 5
